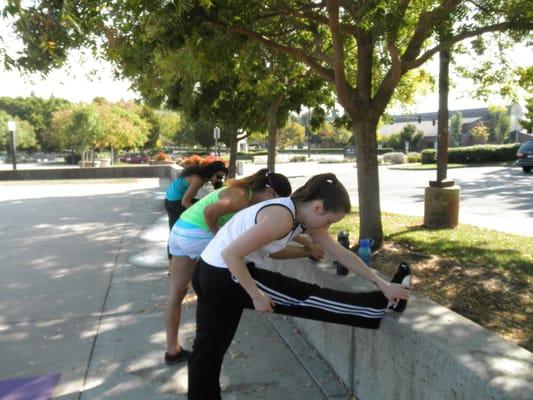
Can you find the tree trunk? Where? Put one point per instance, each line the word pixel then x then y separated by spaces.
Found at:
pixel 442 128
pixel 233 154
pixel 368 180
pixel 272 134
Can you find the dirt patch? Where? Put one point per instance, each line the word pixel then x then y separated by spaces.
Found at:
pixel 489 297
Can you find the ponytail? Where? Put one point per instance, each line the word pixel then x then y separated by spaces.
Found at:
pixel 325 187
pixel 263 179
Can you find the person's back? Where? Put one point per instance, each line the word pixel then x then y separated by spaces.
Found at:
pixel 177 188
pixel 243 221
pixel 194 215
pixel 194 230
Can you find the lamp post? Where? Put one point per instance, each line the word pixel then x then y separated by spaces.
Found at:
pixel 11 128
pixel 216 136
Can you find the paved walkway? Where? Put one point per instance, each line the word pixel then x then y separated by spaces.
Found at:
pixel 83 273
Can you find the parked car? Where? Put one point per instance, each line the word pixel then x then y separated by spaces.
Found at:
pixel 135 158
pixel 524 156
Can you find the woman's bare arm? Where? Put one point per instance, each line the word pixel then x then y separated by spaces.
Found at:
pixel 231 199
pixel 195 184
pixel 355 264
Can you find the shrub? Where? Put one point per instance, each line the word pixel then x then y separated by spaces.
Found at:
pixel 298 158
pixel 483 153
pixel 474 154
pixel 413 157
pixel 72 159
pixel 394 158
pixel 428 156
pixel 314 150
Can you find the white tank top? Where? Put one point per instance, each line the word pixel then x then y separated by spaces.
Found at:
pixel 242 222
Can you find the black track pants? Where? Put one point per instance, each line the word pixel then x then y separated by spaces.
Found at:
pixel 221 301
pixel 174 210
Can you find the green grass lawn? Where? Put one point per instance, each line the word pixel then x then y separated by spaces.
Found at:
pixel 481 274
pixel 466 244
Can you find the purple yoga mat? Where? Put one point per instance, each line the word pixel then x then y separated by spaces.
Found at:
pixel 32 388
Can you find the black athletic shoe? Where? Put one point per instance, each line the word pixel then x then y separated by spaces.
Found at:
pixel 403 277
pixel 182 356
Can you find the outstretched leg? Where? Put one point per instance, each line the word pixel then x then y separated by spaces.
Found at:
pixel 305 300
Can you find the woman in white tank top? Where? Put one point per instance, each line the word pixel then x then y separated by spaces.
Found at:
pixel 226 279
pixel 196 227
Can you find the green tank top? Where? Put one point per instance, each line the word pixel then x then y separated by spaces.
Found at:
pixel 195 213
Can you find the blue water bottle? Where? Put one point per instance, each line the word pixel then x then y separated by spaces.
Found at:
pixel 365 251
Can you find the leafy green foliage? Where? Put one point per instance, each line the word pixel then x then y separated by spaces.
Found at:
pixel 456 125
pixel 99 125
pixel 410 134
pixel 170 123
pixel 25 138
pixel 37 111
pixel 474 154
pixel 527 122
pixel 499 123
pixel 292 135
pixel 480 133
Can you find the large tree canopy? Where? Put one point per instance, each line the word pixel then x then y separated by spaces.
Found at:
pixel 367 50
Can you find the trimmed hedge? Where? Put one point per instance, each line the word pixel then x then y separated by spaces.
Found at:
pixel 72 159
pixel 474 154
pixel 318 150
pixel 413 157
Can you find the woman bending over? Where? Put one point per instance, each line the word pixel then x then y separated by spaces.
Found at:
pixel 197 226
pixel 226 279
pixel 181 191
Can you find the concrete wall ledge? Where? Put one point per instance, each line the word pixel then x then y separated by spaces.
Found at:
pixel 144 171
pixel 426 353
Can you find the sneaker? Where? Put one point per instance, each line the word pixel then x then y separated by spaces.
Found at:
pixel 403 277
pixel 181 356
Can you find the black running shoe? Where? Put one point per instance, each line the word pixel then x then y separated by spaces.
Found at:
pixel 403 277
pixel 182 356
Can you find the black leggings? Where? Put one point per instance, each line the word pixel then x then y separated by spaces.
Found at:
pixel 174 209
pixel 221 301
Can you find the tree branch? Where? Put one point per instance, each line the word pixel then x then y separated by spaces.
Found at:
pixel 297 53
pixel 318 50
pixel 308 14
pixel 503 26
pixel 426 21
pixel 338 50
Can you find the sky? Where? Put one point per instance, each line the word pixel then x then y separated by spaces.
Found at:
pixel 81 80
pixel 85 77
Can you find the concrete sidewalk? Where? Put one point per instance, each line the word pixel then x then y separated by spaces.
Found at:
pixel 83 270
